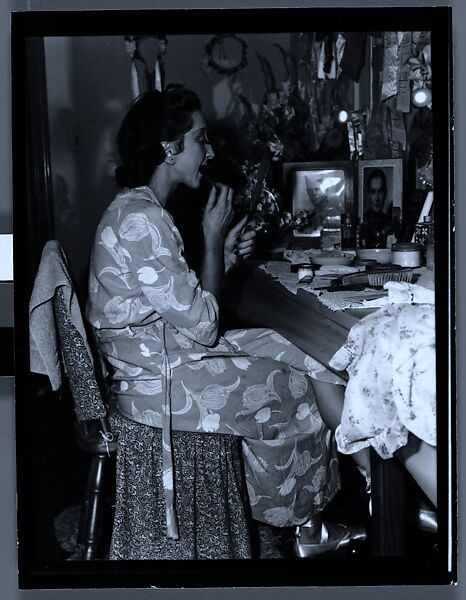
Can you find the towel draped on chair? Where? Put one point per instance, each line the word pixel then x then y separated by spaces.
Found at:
pixel 53 273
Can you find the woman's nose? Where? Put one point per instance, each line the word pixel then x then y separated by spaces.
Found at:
pixel 209 152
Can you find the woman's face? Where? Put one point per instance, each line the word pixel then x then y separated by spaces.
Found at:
pixel 197 151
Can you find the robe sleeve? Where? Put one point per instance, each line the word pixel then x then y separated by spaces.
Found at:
pixel 153 250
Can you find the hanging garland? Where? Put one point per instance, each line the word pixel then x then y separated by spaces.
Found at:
pixel 226 66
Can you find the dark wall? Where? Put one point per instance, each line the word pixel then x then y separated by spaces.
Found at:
pixel 89 89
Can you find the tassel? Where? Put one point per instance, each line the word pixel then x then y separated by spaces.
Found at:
pixel 157 76
pixel 172 525
pixel 107 437
pixel 167 450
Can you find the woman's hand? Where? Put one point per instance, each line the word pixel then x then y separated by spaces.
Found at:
pixel 239 244
pixel 217 214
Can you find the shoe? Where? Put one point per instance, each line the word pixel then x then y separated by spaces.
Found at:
pixel 366 489
pixel 332 537
pixel 426 520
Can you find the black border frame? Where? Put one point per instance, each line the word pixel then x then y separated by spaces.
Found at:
pixel 252 573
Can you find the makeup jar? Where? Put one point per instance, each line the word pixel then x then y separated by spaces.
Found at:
pixel 305 273
pixel 406 255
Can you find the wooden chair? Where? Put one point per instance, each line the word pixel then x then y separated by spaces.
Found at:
pixel 214 519
pixel 92 429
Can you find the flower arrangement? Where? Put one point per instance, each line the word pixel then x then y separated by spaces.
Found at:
pixel 282 120
pixel 269 218
pixel 299 220
pixel 267 211
pixel 280 123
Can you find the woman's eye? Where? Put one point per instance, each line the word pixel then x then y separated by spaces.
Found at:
pixel 203 139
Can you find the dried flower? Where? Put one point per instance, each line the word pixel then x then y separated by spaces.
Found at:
pixel 276 148
pixel 299 220
pixel 281 121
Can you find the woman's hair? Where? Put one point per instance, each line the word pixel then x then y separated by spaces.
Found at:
pixel 152 118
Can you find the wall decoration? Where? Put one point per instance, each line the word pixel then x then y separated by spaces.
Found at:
pixel 357 125
pixel 144 78
pixel 227 53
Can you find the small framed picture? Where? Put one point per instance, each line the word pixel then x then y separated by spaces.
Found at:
pixel 318 194
pixel 380 195
pixel 380 187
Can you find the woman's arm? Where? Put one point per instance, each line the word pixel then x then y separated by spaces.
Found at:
pixel 148 250
pixel 212 267
pixel 217 216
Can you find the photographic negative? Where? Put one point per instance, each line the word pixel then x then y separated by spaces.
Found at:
pixel 75 84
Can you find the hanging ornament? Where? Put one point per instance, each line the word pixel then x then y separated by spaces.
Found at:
pixel 131 47
pixel 142 80
pixel 226 53
pixel 425 173
pixel 158 69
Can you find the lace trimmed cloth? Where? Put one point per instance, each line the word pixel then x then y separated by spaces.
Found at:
pixel 390 359
pixel 280 272
pixel 350 299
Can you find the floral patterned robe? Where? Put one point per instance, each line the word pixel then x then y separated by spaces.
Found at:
pixel 159 331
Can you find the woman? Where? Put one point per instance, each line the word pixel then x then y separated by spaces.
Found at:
pixel 157 325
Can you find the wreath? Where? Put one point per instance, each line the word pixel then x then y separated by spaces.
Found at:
pixel 215 54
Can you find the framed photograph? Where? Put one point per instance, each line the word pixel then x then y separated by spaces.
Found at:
pixel 321 191
pixel 380 187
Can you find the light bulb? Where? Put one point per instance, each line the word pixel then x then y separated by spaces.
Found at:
pixel 421 97
pixel 342 116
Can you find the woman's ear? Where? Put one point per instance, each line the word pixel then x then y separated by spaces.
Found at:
pixel 168 148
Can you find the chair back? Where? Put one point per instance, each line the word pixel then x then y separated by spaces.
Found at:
pixel 61 326
pixel 79 366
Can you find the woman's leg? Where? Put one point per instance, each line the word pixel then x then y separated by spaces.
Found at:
pixel 330 400
pixel 329 393
pixel 267 343
pixel 289 453
pixel 328 388
pixel 420 459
